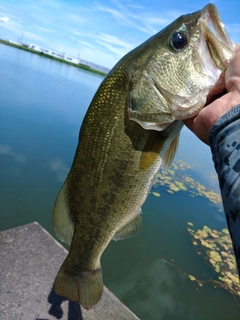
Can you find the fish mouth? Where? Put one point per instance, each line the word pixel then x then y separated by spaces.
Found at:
pixel 217 40
pixel 215 50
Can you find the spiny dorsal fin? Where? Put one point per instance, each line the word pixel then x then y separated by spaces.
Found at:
pixel 170 153
pixel 130 229
pixel 62 221
pixel 151 150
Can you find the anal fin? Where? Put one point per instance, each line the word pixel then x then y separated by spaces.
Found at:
pixel 130 229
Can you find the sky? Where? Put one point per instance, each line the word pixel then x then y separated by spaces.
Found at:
pixel 100 31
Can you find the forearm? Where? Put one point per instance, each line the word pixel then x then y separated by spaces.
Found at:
pixel 224 140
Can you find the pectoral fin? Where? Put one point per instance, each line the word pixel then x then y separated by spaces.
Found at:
pixel 62 221
pixel 130 229
pixel 170 153
pixel 151 150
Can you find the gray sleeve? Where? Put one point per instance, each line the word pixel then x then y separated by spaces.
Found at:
pixel 224 140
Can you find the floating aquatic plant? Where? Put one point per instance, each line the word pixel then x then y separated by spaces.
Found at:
pixel 178 178
pixel 214 246
pixel 216 249
pixel 156 194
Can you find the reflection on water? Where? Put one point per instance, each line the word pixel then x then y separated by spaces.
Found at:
pixel 59 168
pixel 42 104
pixel 160 288
pixel 7 150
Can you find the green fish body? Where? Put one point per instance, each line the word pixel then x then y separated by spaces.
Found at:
pixel 132 127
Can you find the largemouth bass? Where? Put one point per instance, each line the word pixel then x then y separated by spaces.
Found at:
pixel 132 127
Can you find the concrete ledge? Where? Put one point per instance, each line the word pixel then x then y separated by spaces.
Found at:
pixel 29 260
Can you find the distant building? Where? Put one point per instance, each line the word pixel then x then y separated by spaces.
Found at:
pixel 26 45
pixel 14 42
pixel 71 59
pixel 61 56
pixel 36 48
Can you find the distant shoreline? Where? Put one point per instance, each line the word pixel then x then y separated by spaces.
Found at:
pixel 42 54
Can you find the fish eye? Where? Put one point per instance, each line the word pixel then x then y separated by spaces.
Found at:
pixel 178 40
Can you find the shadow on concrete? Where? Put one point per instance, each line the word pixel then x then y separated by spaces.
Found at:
pixel 74 310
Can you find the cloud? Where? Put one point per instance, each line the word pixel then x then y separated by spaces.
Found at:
pixel 142 19
pixel 51 3
pixel 119 52
pixel 135 6
pixel 46 30
pixel 4 19
pixel 7 150
pixel 117 14
pixel 113 40
pixel 114 44
pixel 85 44
pixel 234 32
pixel 33 37
pixel 74 18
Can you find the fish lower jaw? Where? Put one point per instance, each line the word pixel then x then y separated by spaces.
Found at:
pixel 182 113
pixel 218 63
pixel 153 125
pixel 154 121
pixel 220 54
pixel 219 47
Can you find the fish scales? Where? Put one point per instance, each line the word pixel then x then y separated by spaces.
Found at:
pixel 107 165
pixel 132 125
pixel 106 185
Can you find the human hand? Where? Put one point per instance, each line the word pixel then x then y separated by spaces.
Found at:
pixel 201 124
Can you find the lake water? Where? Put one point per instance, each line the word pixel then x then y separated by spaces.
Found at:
pixel 42 104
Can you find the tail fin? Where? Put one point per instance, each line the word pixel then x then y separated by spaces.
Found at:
pixel 85 287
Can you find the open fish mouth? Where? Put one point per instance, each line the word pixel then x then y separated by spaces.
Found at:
pixel 218 43
pixel 215 49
